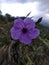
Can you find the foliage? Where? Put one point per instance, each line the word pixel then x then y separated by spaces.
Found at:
pixel 37 53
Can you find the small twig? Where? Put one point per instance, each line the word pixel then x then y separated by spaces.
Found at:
pixel 9 50
pixel 1 53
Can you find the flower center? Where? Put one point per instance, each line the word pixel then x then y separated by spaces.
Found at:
pixel 24 30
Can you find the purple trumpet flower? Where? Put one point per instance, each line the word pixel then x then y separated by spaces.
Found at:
pixel 24 30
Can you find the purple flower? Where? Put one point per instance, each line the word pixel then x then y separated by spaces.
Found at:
pixel 24 30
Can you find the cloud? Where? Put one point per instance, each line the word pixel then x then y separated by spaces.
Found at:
pixel 40 8
pixel 2 1
pixel 43 5
pixel 13 1
pixel 18 9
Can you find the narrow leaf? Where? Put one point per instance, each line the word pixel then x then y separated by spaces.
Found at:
pixel 28 14
pixel 39 20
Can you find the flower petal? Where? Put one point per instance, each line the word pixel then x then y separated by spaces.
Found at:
pixel 15 34
pixel 24 38
pixel 33 33
pixel 29 23
pixel 18 23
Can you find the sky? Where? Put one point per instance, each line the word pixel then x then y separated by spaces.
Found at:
pixel 22 7
pixel 38 8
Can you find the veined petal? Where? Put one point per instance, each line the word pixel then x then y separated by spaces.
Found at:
pixel 24 30
pixel 33 33
pixel 29 23
pixel 24 38
pixel 18 23
pixel 15 34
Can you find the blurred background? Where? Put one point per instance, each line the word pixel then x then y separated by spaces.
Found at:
pixel 13 52
pixel 38 8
